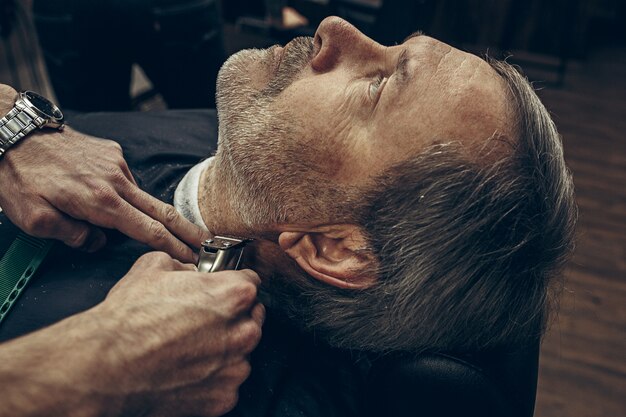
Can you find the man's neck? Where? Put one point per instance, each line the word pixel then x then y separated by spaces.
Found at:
pixel 214 202
pixel 221 218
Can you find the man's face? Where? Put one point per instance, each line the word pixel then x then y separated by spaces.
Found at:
pixel 305 122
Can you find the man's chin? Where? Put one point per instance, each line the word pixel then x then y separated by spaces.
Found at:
pixel 246 72
pixel 240 81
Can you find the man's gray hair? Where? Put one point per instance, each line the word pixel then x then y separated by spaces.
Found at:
pixel 470 247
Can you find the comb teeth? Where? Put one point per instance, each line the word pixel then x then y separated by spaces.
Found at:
pixel 17 266
pixel 32 241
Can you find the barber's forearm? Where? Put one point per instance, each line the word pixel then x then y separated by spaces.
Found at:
pixel 53 371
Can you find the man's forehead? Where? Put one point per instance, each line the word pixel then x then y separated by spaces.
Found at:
pixel 423 53
pixel 449 95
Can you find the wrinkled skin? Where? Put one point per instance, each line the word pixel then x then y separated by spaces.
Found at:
pixel 167 341
pixel 68 185
pixel 301 125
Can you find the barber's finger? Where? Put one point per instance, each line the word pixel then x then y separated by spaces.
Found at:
pixel 96 240
pixel 47 222
pixel 137 225
pixel 240 290
pixel 120 161
pixel 249 275
pixel 161 261
pixel 112 211
pixel 187 267
pixel 127 173
pixel 167 215
pixel 258 314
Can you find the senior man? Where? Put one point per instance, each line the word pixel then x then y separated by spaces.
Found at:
pixel 412 197
pixel 405 198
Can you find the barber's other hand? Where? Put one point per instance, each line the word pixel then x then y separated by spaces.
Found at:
pixel 65 185
pixel 181 337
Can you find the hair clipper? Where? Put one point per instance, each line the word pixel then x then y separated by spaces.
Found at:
pixel 221 253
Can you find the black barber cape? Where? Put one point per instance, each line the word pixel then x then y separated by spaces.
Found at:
pixel 292 374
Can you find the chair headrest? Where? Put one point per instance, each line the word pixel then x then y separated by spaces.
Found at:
pixel 499 382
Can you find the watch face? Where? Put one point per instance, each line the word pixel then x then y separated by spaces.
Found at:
pixel 44 105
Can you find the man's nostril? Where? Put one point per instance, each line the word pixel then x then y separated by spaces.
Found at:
pixel 317 42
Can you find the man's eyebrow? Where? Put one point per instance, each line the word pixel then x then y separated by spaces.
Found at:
pixel 402 69
pixel 413 35
pixel 403 60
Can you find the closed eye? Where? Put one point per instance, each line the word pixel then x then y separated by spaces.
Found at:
pixel 376 87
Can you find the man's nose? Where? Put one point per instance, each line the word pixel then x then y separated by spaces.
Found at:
pixel 337 40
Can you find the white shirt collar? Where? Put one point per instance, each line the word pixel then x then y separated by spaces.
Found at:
pixel 186 194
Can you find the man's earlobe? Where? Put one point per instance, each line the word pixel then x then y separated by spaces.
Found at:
pixel 333 254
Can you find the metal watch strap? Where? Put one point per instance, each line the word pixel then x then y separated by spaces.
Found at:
pixel 15 125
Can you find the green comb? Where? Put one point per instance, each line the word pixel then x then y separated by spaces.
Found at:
pixel 17 266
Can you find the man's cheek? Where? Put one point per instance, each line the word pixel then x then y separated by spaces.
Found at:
pixel 308 94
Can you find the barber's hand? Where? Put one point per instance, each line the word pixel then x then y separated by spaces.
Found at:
pixel 167 341
pixel 181 337
pixel 65 185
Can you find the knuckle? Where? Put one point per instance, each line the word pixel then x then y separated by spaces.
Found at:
pixel 170 213
pixel 39 222
pixel 243 371
pixel 112 152
pixel 117 177
pixel 120 161
pixel 112 145
pixel 117 147
pixel 252 275
pixel 246 292
pixel 157 231
pixel 105 196
pixel 258 313
pixel 227 402
pixel 250 336
pixel 92 182
pixel 155 257
pixel 241 296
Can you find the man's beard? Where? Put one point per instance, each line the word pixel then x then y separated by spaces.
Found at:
pixel 271 178
pixel 235 76
pixel 271 181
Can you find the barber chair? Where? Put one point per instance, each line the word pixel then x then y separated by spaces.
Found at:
pixel 500 382
pixel 494 383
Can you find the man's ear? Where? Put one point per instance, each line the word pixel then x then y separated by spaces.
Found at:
pixel 333 254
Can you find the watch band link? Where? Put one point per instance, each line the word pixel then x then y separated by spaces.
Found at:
pixel 14 126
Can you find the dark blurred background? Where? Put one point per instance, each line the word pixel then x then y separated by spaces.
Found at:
pixel 156 54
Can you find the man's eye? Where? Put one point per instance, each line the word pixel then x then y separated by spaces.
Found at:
pixel 375 87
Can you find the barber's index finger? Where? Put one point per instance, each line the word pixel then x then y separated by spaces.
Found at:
pixel 136 224
pixel 167 215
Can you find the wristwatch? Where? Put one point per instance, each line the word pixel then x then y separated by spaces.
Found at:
pixel 31 111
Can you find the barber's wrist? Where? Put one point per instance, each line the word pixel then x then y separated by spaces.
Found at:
pixel 92 346
pixel 8 97
pixel 57 370
pixel 108 372
pixel 18 155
